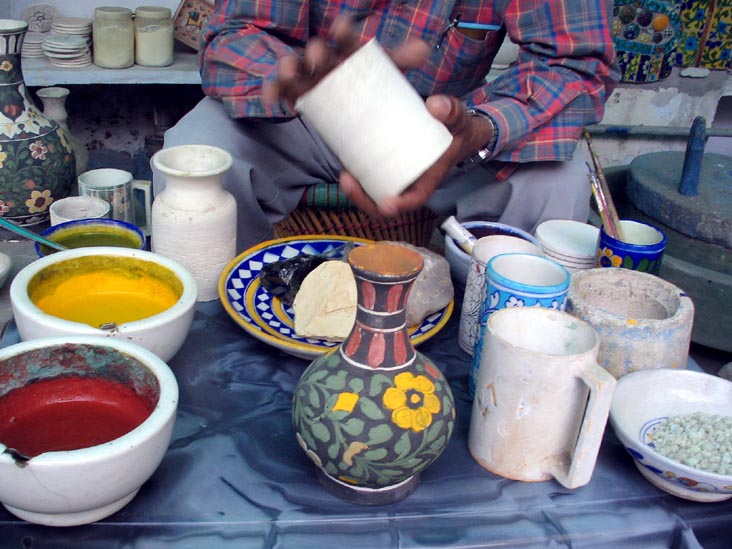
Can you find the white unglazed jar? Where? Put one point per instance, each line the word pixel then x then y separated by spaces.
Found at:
pixel 194 217
pixel 153 36
pixel 113 37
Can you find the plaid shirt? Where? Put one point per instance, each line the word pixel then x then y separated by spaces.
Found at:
pixel 565 71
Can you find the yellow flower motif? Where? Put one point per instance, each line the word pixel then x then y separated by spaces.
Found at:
pixel 3 156
pixel 354 448
pixel 39 201
pixel 65 141
pixel 412 401
pixel 6 66
pixel 607 258
pixel 345 402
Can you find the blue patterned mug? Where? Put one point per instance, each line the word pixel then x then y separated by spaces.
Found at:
pixel 518 280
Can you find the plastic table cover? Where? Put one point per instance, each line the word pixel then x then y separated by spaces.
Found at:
pixel 234 476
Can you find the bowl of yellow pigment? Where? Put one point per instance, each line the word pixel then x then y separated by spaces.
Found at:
pixel 135 295
pixel 83 233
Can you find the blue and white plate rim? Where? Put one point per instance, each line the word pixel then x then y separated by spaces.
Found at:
pixel 259 314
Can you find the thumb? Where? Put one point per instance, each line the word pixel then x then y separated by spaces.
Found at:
pixel 447 110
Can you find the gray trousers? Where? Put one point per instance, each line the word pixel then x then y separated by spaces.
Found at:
pixel 274 162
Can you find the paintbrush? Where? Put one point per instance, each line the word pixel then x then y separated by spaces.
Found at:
pixel 17 229
pixel 601 192
pixel 600 200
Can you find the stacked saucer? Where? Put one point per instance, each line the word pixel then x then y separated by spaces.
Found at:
pixel 33 45
pixel 73 26
pixel 570 243
pixel 65 50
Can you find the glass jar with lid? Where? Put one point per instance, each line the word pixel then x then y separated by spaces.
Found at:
pixel 113 36
pixel 153 36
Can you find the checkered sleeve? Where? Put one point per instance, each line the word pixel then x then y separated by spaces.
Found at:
pixel 241 43
pixel 565 70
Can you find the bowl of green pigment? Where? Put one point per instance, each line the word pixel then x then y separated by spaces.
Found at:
pixel 135 295
pixel 83 233
pixel 84 423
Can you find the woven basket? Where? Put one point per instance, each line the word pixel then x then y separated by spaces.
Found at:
pixel 324 209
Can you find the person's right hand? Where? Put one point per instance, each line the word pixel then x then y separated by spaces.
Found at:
pixel 296 75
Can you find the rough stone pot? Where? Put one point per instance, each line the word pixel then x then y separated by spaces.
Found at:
pixel 643 321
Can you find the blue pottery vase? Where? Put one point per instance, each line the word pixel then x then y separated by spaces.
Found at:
pixel 375 412
pixel 37 164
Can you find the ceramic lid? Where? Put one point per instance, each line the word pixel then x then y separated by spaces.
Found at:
pixel 113 13
pixel 152 12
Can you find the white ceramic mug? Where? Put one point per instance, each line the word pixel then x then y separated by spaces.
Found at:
pixel 484 250
pixel 130 199
pixel 72 208
pixel 532 419
pixel 375 122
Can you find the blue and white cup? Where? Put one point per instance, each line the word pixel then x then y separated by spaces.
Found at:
pixel 518 280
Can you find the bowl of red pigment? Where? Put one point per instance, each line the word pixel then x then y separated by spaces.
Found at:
pixel 84 423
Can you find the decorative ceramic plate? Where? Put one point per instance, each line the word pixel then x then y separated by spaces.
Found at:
pixel 39 17
pixel 268 319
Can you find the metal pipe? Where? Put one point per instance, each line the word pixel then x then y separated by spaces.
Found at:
pixel 678 132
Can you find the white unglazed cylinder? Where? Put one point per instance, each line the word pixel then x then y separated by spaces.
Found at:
pixel 375 122
pixel 194 217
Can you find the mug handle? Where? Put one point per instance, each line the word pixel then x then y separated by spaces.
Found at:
pixel 584 456
pixel 142 200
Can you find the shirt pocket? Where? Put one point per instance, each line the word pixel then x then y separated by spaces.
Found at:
pixel 460 63
pixel 461 47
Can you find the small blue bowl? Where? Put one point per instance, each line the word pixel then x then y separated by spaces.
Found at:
pixel 84 233
pixel 642 250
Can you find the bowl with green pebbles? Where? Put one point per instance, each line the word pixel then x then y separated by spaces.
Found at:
pixel 677 426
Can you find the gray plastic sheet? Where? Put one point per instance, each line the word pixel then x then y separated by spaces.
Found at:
pixel 235 477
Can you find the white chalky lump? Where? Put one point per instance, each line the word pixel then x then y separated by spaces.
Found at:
pixel 325 304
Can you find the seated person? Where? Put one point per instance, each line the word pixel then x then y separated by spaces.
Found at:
pixel 514 156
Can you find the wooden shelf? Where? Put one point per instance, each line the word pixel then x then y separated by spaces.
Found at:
pixel 184 70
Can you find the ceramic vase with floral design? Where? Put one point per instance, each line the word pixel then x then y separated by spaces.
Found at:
pixel 375 412
pixel 37 164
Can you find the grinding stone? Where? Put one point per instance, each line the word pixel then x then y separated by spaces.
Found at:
pixel 653 181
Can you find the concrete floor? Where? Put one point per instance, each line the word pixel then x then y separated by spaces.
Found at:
pixel 21 252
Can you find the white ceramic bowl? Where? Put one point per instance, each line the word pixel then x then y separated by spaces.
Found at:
pixel 79 486
pixel 568 239
pixel 459 260
pixel 162 333
pixel 643 399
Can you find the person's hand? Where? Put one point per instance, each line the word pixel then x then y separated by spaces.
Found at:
pixel 296 75
pixel 470 134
